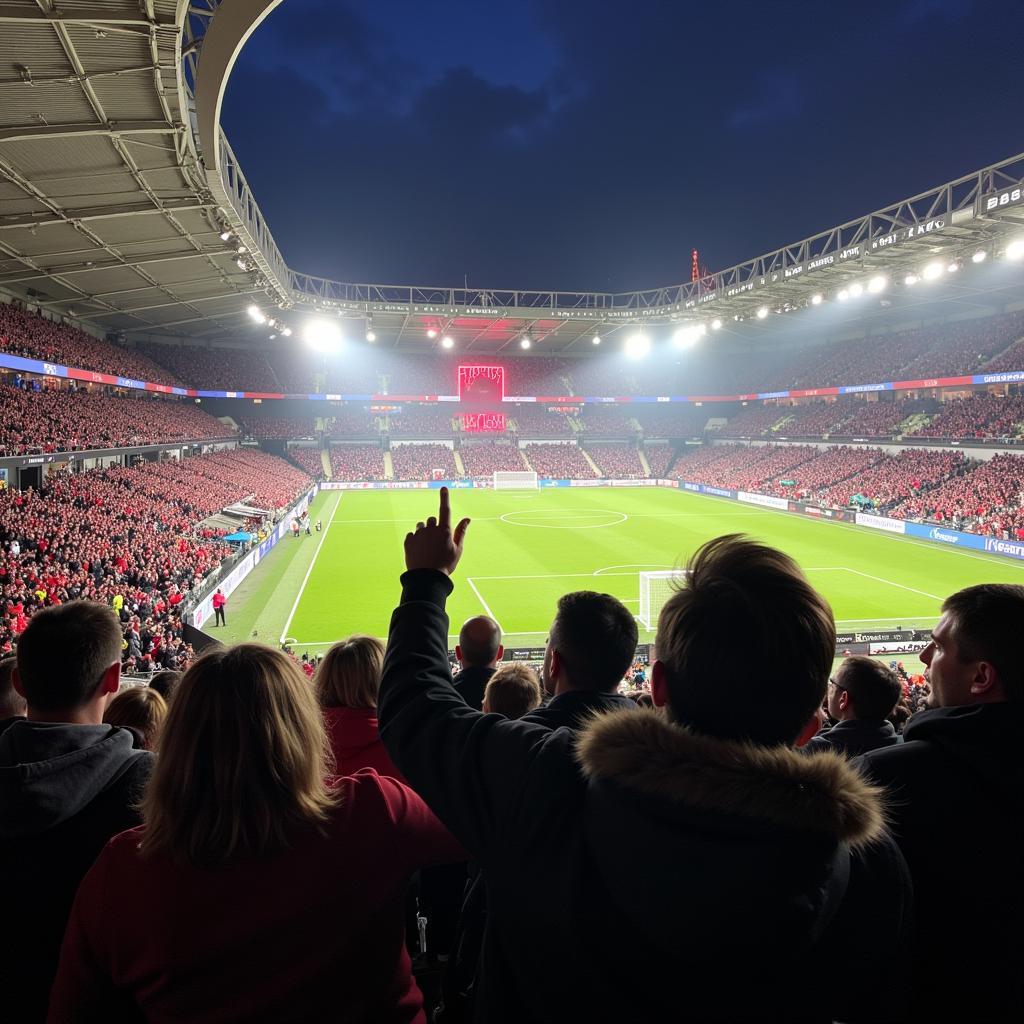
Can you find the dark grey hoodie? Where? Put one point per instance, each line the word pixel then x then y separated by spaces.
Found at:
pixel 64 791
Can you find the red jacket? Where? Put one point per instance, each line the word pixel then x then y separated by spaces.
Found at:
pixel 356 742
pixel 219 600
pixel 315 933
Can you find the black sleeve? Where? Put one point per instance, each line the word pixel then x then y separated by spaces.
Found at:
pixel 469 767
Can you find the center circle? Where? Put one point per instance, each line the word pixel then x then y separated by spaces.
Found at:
pixel 564 518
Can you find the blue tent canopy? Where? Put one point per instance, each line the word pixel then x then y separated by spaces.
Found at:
pixel 241 537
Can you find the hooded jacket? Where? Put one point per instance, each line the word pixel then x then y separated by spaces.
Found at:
pixel 642 872
pixel 957 796
pixel 853 737
pixel 355 742
pixel 573 708
pixel 64 791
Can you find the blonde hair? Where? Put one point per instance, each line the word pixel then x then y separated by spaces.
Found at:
pixel 141 708
pixel 349 675
pixel 244 762
pixel 513 690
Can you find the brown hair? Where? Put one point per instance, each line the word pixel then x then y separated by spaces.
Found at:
pixel 874 688
pixel 244 760
pixel 595 636
pixel 513 690
pixel 138 707
pixel 349 675
pixel 766 687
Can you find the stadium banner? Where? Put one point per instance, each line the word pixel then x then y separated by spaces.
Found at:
pixel 974 541
pixel 718 492
pixel 994 202
pixel 904 647
pixel 374 485
pixel 1009 377
pixel 880 522
pixel 763 499
pixel 853 389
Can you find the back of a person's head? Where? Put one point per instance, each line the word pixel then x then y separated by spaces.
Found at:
pixel 165 683
pixel 595 636
pixel 139 708
pixel 64 652
pixel 746 644
pixel 479 641
pixel 985 620
pixel 349 674
pixel 874 688
pixel 243 760
pixel 513 690
pixel 12 704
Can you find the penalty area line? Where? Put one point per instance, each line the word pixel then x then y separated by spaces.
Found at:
pixel 480 598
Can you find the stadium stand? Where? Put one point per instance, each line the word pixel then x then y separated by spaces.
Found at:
pixel 419 461
pixel 421 421
pixel 980 415
pixel 539 421
pixel 618 461
pixel 234 369
pixel 559 461
pixel 893 478
pixel 352 421
pixel 660 458
pixel 309 459
pixel 356 462
pixel 607 421
pixel 278 427
pixel 487 457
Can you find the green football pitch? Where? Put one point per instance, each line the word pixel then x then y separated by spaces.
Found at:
pixel 526 548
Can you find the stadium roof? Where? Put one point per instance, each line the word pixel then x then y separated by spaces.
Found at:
pixel 123 206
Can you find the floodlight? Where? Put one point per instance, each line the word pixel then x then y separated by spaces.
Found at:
pixel 856 290
pixel 816 299
pixel 525 342
pixel 322 336
pixel 1015 250
pixel 953 267
pixel 254 312
pixel 241 249
pixel 762 312
pixel 287 332
pixel 431 333
pixel 684 337
pixel 596 339
pixel 242 265
pixel 979 256
pixel 911 279
pixel 637 345
pixel 370 336
pixel 843 295
pixel 225 235
pixel 877 284
pixel 932 271
pixel 447 342
pixel 716 324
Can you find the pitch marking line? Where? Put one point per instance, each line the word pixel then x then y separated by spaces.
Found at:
pixel 480 598
pixel 309 571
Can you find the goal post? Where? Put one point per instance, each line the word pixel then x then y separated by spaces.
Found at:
pixel 655 589
pixel 508 480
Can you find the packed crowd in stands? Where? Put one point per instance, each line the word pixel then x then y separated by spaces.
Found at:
pixel 660 458
pixel 979 415
pixel 352 421
pixel 825 467
pixel 421 421
pixel 421 461
pixel 673 419
pixel 357 462
pixel 308 458
pixel 607 421
pixel 279 427
pixel 488 457
pixel 559 461
pixel 214 369
pixel 742 467
pixel 893 478
pixel 617 461
pixel 57 420
pixel 753 421
pixel 879 419
pixel 539 421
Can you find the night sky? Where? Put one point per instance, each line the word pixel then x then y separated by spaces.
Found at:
pixel 587 145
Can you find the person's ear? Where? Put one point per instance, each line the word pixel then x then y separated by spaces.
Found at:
pixel 844 699
pixel 16 680
pixel 985 680
pixel 810 729
pixel 659 685
pixel 554 667
pixel 500 654
pixel 111 681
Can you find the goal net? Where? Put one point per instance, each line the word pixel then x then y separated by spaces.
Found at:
pixel 514 481
pixel 655 589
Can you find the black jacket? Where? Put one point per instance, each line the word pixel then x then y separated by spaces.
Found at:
pixel 64 791
pixel 572 709
pixel 957 785
pixel 662 875
pixel 854 737
pixel 471 682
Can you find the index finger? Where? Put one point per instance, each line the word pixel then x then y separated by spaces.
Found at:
pixel 444 515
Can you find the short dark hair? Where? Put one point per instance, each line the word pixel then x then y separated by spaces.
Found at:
pixel 479 640
pixel 595 637
pixel 985 625
pixel 64 652
pixel 166 682
pixel 874 688
pixel 12 704
pixel 746 643
pixel 513 690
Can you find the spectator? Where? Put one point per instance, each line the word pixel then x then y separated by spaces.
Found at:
pixel 512 691
pixel 67 784
pixel 478 652
pixel 165 683
pixel 591 643
pixel 862 694
pixel 957 800
pixel 346 684
pixel 768 837
pixel 298 881
pixel 219 600
pixel 12 704
pixel 141 709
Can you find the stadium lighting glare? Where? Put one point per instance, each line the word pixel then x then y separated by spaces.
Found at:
pixel 1015 250
pixel 932 271
pixel 843 295
pixel 447 341
pixel 322 336
pixel 525 343
pixel 685 337
pixel 911 279
pixel 242 265
pixel 716 324
pixel 241 249
pixel 953 267
pixel 287 332
pixel 816 299
pixel 856 290
pixel 877 284
pixel 596 339
pixel 370 336
pixel 225 235
pixel 762 312
pixel 979 256
pixel 254 312
pixel 431 333
pixel 637 346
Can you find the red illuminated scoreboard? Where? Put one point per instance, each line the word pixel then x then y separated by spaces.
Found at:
pixel 482 385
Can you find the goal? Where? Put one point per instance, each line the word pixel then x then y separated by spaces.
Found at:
pixel 655 589
pixel 515 481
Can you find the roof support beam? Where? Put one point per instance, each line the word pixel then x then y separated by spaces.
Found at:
pixel 115 129
pixel 105 213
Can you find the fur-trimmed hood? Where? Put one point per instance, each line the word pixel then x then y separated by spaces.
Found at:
pixel 775 785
